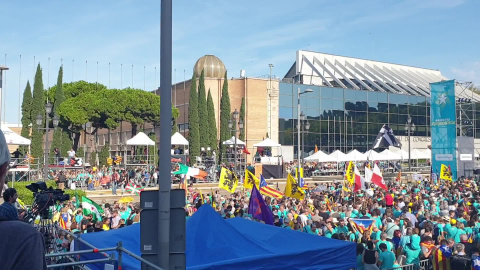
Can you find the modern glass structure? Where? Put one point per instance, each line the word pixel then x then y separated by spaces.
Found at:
pixel 352 98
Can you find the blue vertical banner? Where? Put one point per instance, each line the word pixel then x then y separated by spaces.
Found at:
pixel 443 126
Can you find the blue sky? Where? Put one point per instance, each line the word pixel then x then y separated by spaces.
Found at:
pixel 437 34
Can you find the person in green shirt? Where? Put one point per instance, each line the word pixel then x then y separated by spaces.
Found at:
pixel 460 231
pixel 341 228
pixel 386 258
pixel 383 240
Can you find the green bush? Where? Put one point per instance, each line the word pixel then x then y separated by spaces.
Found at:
pixel 26 196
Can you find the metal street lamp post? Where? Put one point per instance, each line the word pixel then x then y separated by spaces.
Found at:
pixel 305 128
pixel 409 128
pixel 298 125
pixel 2 68
pixel 238 128
pixel 39 120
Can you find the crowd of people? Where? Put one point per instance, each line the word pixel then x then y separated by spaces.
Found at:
pixel 437 223
pixel 107 178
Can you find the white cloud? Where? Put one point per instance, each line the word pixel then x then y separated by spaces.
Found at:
pixel 470 72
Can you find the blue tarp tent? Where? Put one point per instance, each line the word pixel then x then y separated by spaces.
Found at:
pixel 130 237
pixel 215 243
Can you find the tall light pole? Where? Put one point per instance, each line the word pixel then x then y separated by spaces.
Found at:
pixel 2 68
pixel 305 127
pixel 299 123
pixel 409 128
pixel 39 120
pixel 164 163
pixel 238 128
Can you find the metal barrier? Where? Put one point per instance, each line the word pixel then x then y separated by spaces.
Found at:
pixel 423 265
pixel 107 258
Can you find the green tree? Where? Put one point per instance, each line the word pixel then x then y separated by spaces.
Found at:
pixel 61 136
pixel 202 110
pixel 193 126
pixel 107 108
pixel 242 118
pixel 26 114
pixel 104 154
pixel 212 124
pixel 38 108
pixel 224 115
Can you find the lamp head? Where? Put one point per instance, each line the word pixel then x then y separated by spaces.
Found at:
pixel 39 120
pixel 235 115
pixel 48 107
pixel 56 121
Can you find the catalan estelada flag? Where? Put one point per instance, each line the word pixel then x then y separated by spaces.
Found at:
pixel 362 224
pixel 268 191
pixel 62 223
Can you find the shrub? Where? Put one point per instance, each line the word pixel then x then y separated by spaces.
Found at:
pixel 26 196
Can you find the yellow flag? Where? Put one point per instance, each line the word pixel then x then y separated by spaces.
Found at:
pixel 296 172
pixel 292 189
pixel 445 173
pixel 350 173
pixel 228 180
pixel 249 179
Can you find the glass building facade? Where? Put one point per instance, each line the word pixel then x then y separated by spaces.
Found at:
pixel 346 119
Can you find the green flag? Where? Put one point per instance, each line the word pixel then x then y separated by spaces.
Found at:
pixel 90 207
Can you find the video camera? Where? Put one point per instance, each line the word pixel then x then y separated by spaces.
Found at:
pixel 44 198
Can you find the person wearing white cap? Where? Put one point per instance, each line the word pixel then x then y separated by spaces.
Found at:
pixel 22 246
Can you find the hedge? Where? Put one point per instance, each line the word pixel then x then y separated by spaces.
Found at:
pixel 27 196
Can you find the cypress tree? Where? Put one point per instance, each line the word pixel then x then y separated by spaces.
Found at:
pixel 224 116
pixel 61 137
pixel 202 112
pixel 242 118
pixel 38 108
pixel 212 124
pixel 26 114
pixel 193 126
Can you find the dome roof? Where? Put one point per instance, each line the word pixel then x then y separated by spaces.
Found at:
pixel 213 66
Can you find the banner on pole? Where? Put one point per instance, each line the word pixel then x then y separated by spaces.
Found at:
pixel 443 125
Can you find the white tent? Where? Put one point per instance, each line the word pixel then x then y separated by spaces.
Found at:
pixel 231 141
pixel 356 155
pixel 267 143
pixel 178 139
pixel 13 138
pixel 319 156
pixel 390 155
pixel 427 152
pixel 417 154
pixel 338 156
pixel 402 153
pixel 140 139
pixel 372 155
